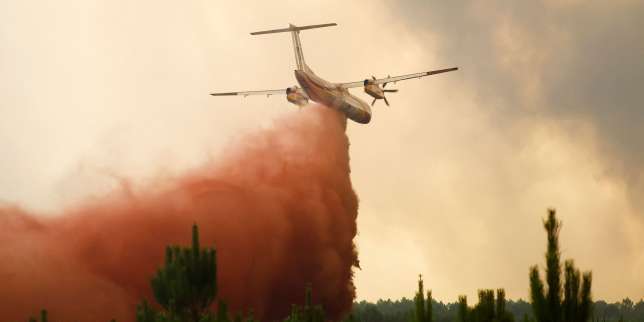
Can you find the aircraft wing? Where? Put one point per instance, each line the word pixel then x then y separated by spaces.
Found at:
pixel 267 93
pixel 394 79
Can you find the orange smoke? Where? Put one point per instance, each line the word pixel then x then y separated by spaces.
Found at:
pixel 279 207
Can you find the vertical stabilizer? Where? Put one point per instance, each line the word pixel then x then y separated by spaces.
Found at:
pixel 297 45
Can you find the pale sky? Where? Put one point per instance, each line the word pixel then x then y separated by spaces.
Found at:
pixel 453 178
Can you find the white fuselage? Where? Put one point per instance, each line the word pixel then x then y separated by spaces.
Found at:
pixel 333 96
pixel 316 88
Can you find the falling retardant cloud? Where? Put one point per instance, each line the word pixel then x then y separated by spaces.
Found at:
pixel 454 178
pixel 278 207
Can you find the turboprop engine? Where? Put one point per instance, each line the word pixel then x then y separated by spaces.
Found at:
pixel 374 90
pixel 296 96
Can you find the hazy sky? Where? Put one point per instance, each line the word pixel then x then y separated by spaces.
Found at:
pixel 454 178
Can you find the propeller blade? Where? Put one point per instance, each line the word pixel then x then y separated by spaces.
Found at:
pixel 374 102
pixel 386 101
pixel 390 90
pixel 374 77
pixel 384 85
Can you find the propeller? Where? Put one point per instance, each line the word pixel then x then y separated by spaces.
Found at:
pixel 383 98
pixel 384 91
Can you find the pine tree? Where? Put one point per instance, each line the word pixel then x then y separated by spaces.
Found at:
pixel 539 306
pixel 43 317
pixel 222 312
pixel 238 317
pixel 185 286
pixel 553 273
pixel 500 302
pixel 585 298
pixel 308 312
pixel 250 317
pixel 350 318
pixel 429 316
pixel 548 304
pixel 463 310
pixel 423 311
pixel 144 313
pixel 501 315
pixel 486 310
pixel 312 313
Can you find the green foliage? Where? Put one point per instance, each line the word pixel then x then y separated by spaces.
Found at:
pixel 238 317
pixel 249 317
pixel 429 312
pixel 222 312
pixel 350 318
pixel 501 314
pixel 487 310
pixel 553 273
pixel 536 295
pixel 463 310
pixel 402 311
pixel 185 286
pixel 423 308
pixel 43 317
pixel 144 313
pixel 308 312
pixel 548 305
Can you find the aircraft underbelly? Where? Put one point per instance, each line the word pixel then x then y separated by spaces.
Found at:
pixel 320 91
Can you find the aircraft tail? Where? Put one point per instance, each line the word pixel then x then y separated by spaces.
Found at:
pixel 297 45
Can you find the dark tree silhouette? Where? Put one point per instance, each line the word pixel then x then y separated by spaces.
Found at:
pixel 423 312
pixel 487 310
pixel 185 286
pixel 463 310
pixel 308 312
pixel 43 317
pixel 548 304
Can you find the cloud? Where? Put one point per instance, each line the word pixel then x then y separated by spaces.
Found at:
pixel 561 60
pixel 547 114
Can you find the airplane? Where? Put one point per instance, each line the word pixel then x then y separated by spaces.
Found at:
pixel 332 95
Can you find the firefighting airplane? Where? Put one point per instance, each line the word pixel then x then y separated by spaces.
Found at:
pixel 333 95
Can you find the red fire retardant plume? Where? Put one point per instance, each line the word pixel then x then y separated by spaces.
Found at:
pixel 278 206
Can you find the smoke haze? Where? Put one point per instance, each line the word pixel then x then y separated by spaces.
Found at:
pixel 279 207
pixel 454 178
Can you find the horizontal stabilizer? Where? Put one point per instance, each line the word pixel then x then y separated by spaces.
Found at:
pixel 442 71
pixel 293 28
pixel 246 93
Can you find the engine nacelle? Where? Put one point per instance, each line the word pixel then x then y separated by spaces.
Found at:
pixel 296 96
pixel 373 90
